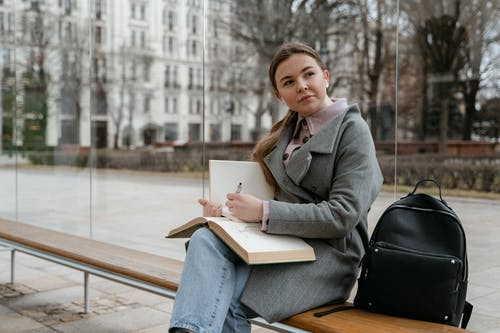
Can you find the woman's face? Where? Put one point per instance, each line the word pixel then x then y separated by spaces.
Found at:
pixel 301 84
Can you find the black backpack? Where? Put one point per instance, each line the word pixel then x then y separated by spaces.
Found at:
pixel 416 262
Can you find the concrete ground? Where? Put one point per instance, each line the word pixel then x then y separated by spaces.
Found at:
pixel 136 210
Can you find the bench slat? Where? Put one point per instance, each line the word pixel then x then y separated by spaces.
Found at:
pixel 356 320
pixel 157 270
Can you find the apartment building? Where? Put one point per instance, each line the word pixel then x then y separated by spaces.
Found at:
pixel 123 73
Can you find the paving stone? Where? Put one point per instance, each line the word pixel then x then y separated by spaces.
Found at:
pixel 165 307
pixel 108 286
pixel 124 321
pixel 57 296
pixel 143 297
pixel 488 305
pixel 488 278
pixel 13 322
pixel 475 292
pixel 483 323
pixel 44 329
pixel 48 283
pixel 157 329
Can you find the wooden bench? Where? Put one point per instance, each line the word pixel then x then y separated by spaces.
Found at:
pixel 160 275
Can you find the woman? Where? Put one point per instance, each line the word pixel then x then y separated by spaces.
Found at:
pixel 321 160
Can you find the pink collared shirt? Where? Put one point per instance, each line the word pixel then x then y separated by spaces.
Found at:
pixel 305 128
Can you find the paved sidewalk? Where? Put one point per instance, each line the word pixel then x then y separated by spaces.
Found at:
pixel 136 210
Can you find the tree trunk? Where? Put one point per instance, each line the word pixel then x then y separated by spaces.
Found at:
pixel 423 102
pixel 443 118
pixel 470 90
pixel 115 141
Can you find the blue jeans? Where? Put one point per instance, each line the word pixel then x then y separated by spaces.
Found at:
pixel 212 281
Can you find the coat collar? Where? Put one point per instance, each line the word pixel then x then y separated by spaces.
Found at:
pixel 323 143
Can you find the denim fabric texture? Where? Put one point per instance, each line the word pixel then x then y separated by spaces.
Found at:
pixel 213 278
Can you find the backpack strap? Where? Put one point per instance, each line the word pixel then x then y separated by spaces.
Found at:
pixel 467 313
pixel 427 180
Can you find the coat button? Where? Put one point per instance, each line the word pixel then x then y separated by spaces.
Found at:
pixel 305 139
pixel 285 156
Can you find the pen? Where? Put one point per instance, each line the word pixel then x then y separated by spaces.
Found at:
pixel 238 188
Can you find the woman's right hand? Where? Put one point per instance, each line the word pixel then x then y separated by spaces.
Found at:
pixel 210 208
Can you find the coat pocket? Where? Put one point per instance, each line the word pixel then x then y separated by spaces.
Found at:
pixel 409 283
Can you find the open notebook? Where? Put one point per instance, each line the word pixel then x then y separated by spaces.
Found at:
pixel 244 238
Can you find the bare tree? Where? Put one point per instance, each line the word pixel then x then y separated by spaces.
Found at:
pixel 117 116
pixel 267 24
pixel 374 52
pixel 481 20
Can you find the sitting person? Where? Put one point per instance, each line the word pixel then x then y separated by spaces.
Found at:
pixel 320 159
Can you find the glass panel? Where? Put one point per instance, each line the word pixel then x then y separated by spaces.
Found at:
pixel 356 41
pixel 52 130
pixel 8 153
pixel 147 118
pixel 448 94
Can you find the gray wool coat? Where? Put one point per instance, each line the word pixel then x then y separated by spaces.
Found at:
pixel 324 196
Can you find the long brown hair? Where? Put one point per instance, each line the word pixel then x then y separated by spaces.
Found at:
pixel 266 144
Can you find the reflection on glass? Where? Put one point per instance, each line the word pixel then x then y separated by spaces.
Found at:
pixel 7 115
pixel 42 113
pixel 143 86
pixel 448 89
pixel 146 106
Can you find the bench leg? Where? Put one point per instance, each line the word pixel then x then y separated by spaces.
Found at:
pixel 86 292
pixel 12 265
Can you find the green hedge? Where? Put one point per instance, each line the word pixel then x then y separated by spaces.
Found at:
pixel 480 174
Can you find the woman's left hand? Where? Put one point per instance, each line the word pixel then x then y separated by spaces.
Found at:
pixel 245 207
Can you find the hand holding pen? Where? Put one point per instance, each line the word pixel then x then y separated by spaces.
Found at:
pixel 244 206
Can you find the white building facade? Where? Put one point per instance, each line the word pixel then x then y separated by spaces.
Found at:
pixel 127 73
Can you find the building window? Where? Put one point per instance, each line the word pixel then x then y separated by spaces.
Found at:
pixel 171 131
pixel 170 20
pixel 67 7
pixel 147 70
pixel 147 103
pixel 194 132
pixel 167 76
pixel 190 78
pixel 170 45
pixel 174 105
pixel 198 106
pixel 132 38
pixel 133 71
pixel 194 27
pixel 175 82
pixel 235 132
pixel 99 8
pixel 215 133
pixel 69 131
pixel 99 36
pixel 199 79
pixel 98 100
pixel 143 39
pixel 216 28
pixel 132 10
pixel 143 11
pixel 193 48
pixel 131 104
